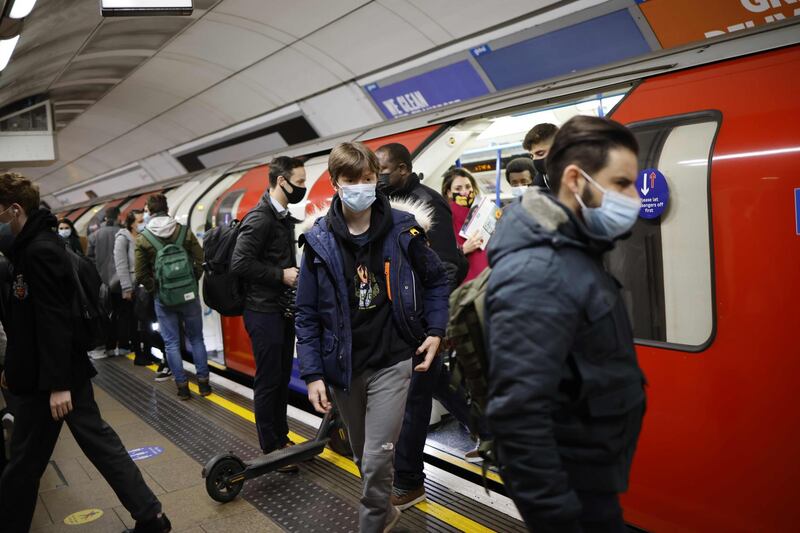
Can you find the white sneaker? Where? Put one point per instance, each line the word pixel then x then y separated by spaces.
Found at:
pixel 164 374
pixel 98 354
pixel 8 429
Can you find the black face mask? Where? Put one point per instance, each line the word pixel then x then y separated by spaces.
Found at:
pixel 538 164
pixel 297 194
pixel 383 183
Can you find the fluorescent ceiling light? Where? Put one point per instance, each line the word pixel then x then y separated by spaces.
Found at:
pixel 6 49
pixel 21 8
pixel 146 7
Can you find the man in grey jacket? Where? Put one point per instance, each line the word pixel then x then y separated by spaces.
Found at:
pixel 101 252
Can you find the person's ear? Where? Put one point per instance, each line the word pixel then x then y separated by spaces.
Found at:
pixel 571 179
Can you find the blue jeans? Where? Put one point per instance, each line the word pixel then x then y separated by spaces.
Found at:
pixel 169 323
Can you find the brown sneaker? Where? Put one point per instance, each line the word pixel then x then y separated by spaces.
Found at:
pixel 404 499
pixel 288 469
pixel 204 386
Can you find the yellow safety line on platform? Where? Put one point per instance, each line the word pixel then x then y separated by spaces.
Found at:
pixel 446 457
pixel 435 510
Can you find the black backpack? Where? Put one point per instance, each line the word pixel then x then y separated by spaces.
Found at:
pixel 89 310
pixel 222 290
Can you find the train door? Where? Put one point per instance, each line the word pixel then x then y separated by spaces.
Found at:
pixel 196 211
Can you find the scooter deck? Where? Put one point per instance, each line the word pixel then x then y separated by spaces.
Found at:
pixel 284 457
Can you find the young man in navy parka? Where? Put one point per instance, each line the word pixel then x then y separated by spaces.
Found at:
pixel 372 306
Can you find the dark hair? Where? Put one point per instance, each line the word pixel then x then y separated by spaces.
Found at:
pixel 282 166
pixel 457 172
pixel 398 153
pixel 520 164
pixel 351 160
pixel 538 133
pixel 130 218
pixel 112 213
pixel 585 141
pixel 17 189
pixel 68 222
pixel 157 203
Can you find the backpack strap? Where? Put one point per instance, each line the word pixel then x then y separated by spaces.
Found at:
pixel 181 236
pixel 152 239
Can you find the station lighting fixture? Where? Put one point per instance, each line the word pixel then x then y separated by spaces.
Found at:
pixel 6 49
pixel 132 8
pixel 21 8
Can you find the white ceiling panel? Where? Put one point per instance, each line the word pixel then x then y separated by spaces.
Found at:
pixel 222 43
pixel 239 98
pixel 369 38
pixel 321 58
pixel 179 76
pixel 291 75
pixel 463 17
pixel 298 18
pixel 419 19
pixel 197 117
pixel 342 109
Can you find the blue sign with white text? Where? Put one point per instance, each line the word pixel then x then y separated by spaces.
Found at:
pixel 797 211
pixel 138 454
pixel 436 88
pixel 589 44
pixel 654 192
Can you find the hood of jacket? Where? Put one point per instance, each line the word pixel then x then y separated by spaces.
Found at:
pixel 38 220
pixel 162 226
pixel 538 219
pixel 420 211
pixel 124 232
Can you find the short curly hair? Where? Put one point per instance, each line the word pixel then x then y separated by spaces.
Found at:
pixel 538 133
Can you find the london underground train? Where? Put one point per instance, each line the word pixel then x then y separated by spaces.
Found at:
pixel 710 280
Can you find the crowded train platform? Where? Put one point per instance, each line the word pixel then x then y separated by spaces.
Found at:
pixel 398 266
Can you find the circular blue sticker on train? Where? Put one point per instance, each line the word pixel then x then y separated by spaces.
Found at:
pixel 138 454
pixel 654 192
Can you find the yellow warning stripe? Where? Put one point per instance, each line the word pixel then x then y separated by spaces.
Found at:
pixel 446 457
pixel 435 510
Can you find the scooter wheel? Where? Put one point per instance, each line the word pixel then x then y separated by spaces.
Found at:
pixel 217 484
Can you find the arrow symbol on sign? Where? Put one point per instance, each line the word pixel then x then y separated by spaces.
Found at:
pixel 645 189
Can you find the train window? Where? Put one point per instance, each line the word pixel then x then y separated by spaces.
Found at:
pixel 665 266
pixel 227 208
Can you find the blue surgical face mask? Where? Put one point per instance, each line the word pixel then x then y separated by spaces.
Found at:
pixel 146 217
pixel 357 197
pixel 65 233
pixel 140 227
pixel 616 215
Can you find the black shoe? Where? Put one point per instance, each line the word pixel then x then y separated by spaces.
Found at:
pixel 160 524
pixel 163 374
pixel 204 386
pixel 183 391
pixel 143 360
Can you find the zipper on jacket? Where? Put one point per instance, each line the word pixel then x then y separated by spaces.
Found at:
pixel 414 287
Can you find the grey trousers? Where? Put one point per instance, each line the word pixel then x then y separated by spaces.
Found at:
pixel 373 411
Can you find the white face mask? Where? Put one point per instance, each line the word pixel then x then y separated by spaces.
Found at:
pixel 146 217
pixel 357 197
pixel 616 215
pixel 65 233
pixel 140 227
pixel 518 192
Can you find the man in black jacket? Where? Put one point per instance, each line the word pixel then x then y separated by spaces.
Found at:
pixel 399 181
pixel 566 394
pixel 48 372
pixel 264 257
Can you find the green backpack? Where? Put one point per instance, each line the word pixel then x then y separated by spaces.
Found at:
pixel 174 275
pixel 465 337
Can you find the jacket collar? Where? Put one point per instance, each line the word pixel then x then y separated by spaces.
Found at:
pixel 39 221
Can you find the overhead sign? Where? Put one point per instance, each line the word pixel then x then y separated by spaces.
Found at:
pixel 83 517
pixel 430 90
pixel 132 8
pixel 677 22
pixel 654 192
pixel 589 44
pixel 139 454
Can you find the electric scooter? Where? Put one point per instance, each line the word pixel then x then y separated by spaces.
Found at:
pixel 225 474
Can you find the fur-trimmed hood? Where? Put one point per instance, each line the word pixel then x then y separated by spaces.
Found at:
pixel 539 219
pixel 421 212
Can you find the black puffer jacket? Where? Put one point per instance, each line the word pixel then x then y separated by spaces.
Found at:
pixel 441 235
pixel 41 354
pixel 566 391
pixel 264 248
